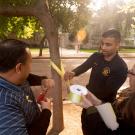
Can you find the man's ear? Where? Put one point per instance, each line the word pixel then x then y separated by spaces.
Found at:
pixel 18 68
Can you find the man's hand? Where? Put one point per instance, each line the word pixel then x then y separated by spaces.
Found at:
pixel 89 100
pixel 94 100
pixel 68 75
pixel 85 103
pixel 46 104
pixel 47 84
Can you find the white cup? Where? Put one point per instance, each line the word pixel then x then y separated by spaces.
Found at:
pixel 75 93
pixel 107 114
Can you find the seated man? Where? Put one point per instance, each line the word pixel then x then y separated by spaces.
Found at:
pixel 19 111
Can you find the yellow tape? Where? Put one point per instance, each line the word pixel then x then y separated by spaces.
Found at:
pixel 62 68
pixel 61 71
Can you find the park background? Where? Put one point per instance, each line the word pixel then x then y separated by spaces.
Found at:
pixel 67 31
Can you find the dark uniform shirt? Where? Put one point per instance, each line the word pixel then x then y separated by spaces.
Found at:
pixel 106 76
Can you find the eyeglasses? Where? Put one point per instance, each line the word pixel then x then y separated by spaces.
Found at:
pixel 131 72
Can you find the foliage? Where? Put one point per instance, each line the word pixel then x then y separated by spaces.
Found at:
pixel 68 14
pixel 71 15
pixel 128 8
pixel 21 27
pixel 113 14
pixel 129 11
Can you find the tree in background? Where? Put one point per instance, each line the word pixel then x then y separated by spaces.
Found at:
pixel 128 11
pixel 112 14
pixel 68 16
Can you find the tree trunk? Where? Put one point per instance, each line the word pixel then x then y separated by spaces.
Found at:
pixel 41 46
pixel 52 37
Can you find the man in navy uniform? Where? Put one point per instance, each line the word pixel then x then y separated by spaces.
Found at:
pixel 108 73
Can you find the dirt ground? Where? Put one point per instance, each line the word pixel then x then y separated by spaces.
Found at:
pixel 72 122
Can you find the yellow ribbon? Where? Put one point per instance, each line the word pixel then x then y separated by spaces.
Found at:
pixel 61 71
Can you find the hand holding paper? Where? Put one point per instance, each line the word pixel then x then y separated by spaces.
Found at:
pixel 94 100
pixel 85 103
pixel 105 110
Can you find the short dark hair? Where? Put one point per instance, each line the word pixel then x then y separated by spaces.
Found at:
pixel 12 51
pixel 112 33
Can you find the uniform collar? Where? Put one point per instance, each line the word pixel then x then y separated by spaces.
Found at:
pixel 111 59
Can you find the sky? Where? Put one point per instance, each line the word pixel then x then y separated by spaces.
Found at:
pixel 97 4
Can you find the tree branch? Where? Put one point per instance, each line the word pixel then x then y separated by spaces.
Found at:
pixel 17 11
pixel 39 9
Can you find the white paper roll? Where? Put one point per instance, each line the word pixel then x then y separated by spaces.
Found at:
pixel 75 93
pixel 107 114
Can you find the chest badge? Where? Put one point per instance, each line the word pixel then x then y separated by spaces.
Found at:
pixel 106 71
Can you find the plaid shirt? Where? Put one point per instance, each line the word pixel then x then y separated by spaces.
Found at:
pixel 17 108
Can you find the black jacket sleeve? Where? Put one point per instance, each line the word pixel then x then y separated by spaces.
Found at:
pixel 85 66
pixel 40 125
pixel 35 80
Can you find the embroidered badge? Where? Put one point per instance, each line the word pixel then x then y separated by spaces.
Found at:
pixel 106 71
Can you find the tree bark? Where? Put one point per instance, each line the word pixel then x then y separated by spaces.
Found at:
pixel 52 36
pixel 17 11
pixel 41 11
pixel 41 45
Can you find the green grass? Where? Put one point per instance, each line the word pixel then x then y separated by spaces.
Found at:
pixel 88 51
pixel 121 50
pixel 36 50
pixel 127 50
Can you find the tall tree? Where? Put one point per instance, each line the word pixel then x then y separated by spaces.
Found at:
pixel 128 11
pixel 109 16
